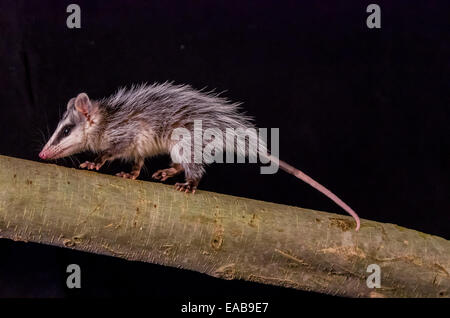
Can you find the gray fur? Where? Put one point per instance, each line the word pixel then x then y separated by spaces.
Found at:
pixel 138 122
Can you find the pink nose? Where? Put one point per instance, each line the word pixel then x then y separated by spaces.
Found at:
pixel 42 155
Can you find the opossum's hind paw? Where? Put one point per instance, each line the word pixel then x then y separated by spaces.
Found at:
pixel 165 174
pixel 90 165
pixel 132 175
pixel 189 186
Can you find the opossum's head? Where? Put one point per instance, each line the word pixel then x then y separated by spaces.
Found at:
pixel 70 136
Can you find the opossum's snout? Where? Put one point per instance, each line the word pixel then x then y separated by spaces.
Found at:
pixel 49 154
pixel 44 154
pixel 54 152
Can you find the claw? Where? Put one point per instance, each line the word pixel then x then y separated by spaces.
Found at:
pixel 89 165
pixel 127 175
pixel 187 187
pixel 165 174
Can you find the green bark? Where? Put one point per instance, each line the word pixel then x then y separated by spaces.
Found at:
pixel 219 235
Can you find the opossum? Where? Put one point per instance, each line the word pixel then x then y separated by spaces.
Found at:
pixel 139 122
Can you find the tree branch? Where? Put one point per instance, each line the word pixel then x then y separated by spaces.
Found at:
pixel 219 235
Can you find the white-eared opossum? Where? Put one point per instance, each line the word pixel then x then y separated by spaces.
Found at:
pixel 137 123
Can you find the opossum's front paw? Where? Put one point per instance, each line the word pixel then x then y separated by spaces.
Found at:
pixel 165 174
pixel 189 186
pixel 91 165
pixel 132 175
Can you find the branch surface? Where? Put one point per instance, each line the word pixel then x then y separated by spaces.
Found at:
pixel 220 235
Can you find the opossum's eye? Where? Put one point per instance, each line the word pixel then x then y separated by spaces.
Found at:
pixel 66 130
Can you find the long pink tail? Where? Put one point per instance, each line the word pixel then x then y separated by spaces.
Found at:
pixel 302 176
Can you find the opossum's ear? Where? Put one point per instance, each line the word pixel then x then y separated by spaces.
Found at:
pixel 71 102
pixel 83 104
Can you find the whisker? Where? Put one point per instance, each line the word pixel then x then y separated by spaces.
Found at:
pixel 72 160
pixel 77 160
pixel 48 132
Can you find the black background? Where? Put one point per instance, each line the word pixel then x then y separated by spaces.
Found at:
pixel 363 111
